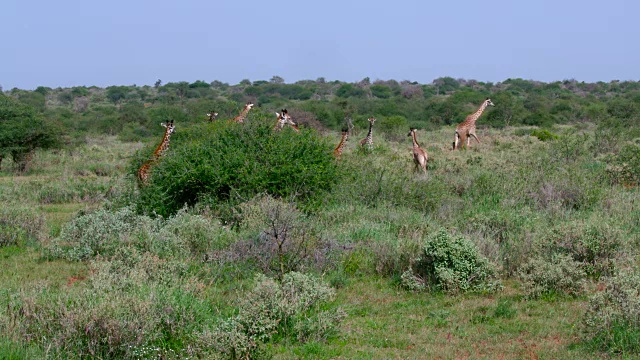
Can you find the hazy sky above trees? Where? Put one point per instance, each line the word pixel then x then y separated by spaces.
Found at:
pixel 124 42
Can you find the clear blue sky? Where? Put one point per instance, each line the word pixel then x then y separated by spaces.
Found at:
pixel 123 42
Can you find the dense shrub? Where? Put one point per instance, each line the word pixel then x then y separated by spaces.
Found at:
pixel 271 311
pixel 225 162
pixel 557 274
pixel 612 320
pixel 452 264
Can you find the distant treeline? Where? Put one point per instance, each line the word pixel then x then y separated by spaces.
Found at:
pixel 133 112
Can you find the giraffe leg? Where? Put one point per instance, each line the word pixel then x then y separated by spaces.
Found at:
pixel 456 141
pixel 475 137
pixel 463 141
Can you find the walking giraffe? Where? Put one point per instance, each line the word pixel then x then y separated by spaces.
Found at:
pixel 369 139
pixel 243 114
pixel 343 141
pixel 143 172
pixel 420 156
pixel 212 116
pixel 285 119
pixel 466 129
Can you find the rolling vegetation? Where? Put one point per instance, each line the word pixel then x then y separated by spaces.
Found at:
pixel 253 243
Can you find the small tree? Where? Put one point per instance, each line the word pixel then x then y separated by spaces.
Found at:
pixel 22 131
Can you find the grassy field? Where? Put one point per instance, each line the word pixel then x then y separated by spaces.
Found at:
pixel 513 196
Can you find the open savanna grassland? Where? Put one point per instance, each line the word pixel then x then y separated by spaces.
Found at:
pixel 513 196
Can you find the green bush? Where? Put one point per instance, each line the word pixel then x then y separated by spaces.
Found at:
pixel 223 163
pixel 544 135
pixel 451 264
pixel 612 320
pixel 557 274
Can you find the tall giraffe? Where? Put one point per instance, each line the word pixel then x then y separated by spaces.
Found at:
pixel 243 114
pixel 369 139
pixel 212 115
pixel 343 141
pixel 466 129
pixel 420 156
pixel 285 119
pixel 143 172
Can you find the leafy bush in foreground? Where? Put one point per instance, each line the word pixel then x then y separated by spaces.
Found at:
pixel 452 264
pixel 226 162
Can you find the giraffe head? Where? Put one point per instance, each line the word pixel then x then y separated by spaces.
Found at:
pixel 345 131
pixel 371 120
pixel 248 106
pixel 212 115
pixel 169 126
pixel 411 131
pixel 489 102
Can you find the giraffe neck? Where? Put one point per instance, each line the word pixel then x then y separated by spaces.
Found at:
pixel 243 114
pixel 476 115
pixel 415 141
pixel 369 134
pixel 164 145
pixel 342 142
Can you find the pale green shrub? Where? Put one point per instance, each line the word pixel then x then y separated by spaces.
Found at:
pixel 452 264
pixel 105 231
pixel 595 245
pixel 612 319
pixel 290 308
pixel 19 225
pixel 557 274
pixel 132 306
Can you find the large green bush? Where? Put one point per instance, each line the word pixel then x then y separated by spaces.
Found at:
pixel 224 162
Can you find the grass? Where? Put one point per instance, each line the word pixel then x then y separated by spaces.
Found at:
pixel 386 322
pixel 504 194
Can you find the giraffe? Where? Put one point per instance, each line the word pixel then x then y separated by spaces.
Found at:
pixel 212 115
pixel 420 156
pixel 369 139
pixel 283 119
pixel 143 172
pixel 343 141
pixel 243 114
pixel 466 129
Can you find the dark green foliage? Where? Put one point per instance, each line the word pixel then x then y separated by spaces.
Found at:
pixel 22 131
pixel 227 162
pixel 544 134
